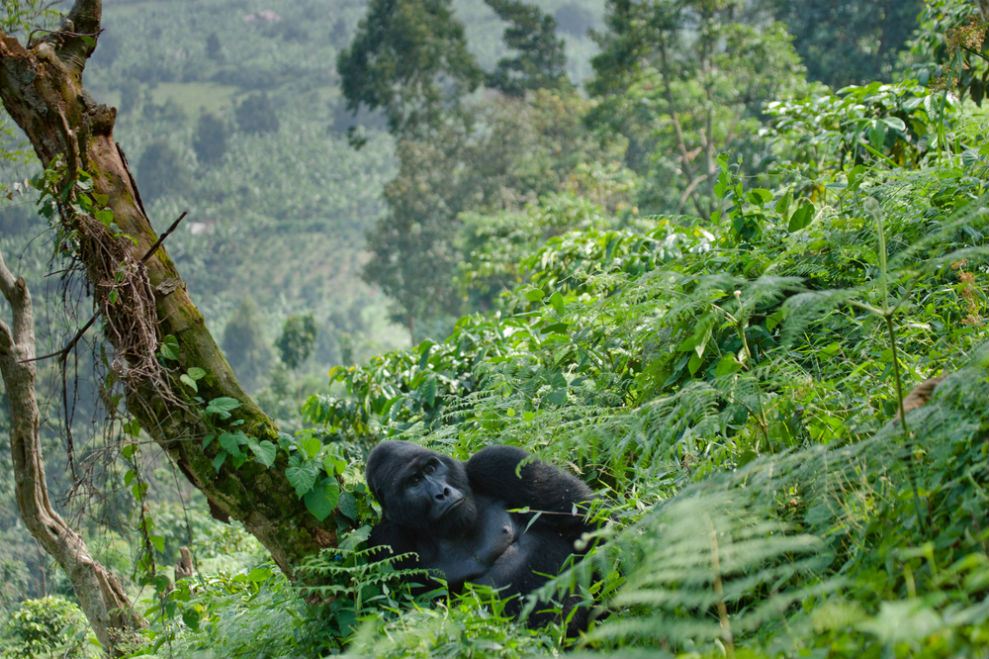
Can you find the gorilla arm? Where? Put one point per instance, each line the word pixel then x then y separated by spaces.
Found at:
pixel 494 471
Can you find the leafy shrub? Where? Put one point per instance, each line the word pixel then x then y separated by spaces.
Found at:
pixel 296 341
pixel 212 135
pixel 48 627
pixel 162 171
pixel 473 625
pixel 248 613
pixel 256 114
pixel 731 388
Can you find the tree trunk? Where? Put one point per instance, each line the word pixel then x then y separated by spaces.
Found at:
pixel 141 298
pixel 98 590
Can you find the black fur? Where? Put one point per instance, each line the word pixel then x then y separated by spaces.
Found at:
pixel 454 515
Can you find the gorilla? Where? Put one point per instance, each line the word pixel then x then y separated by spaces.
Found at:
pixel 456 516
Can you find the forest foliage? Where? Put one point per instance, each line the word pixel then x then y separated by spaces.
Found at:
pixel 704 279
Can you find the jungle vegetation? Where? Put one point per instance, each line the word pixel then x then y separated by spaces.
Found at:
pixel 725 261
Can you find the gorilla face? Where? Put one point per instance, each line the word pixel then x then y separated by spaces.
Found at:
pixel 420 488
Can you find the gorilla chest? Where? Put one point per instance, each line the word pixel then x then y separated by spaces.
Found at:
pixel 491 555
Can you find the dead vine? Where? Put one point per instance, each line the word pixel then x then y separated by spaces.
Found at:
pixel 124 297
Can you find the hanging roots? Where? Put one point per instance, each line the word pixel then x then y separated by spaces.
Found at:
pixel 124 297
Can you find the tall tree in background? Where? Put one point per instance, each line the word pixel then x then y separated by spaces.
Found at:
pixel 161 171
pixel 295 343
pixel 244 344
pixel 539 61
pixel 849 42
pixel 410 59
pixel 412 250
pixel 211 429
pixel 685 81
pixel 256 114
pixel 212 137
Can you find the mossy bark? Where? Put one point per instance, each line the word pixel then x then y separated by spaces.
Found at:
pixel 41 88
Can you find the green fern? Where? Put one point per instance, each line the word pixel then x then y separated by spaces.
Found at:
pixel 740 557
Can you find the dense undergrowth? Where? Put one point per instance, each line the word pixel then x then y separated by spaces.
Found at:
pixel 735 400
pixel 732 387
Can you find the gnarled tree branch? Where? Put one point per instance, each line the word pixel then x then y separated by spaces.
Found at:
pixel 98 590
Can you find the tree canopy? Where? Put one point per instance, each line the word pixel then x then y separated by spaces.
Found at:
pixel 409 58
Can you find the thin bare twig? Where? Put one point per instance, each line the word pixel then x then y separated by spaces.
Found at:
pixel 161 238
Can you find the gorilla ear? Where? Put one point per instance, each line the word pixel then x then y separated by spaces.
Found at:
pixel 381 502
pixel 376 461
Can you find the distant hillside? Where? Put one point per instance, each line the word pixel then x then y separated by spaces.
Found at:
pixel 281 216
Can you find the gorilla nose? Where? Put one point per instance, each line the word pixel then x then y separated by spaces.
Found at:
pixel 442 495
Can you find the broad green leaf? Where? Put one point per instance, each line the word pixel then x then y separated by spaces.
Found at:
pixel 557 396
pixel 322 499
pixel 694 363
pixel 557 301
pixel 231 442
pixel 264 451
pixel 877 134
pixel 133 428
pixel 158 541
pixel 728 365
pixel 303 477
pixel 259 574
pixel 895 123
pixel 222 406
pixel 105 216
pixel 170 347
pixel 310 446
pixel 534 295
pixel 703 338
pixel 721 185
pixel 760 196
pixel 333 465
pixel 783 205
pixel 191 618
pixel 139 489
pixel 802 216
pixel 347 504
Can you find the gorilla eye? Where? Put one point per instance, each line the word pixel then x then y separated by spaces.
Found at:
pixel 429 468
pixel 414 479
